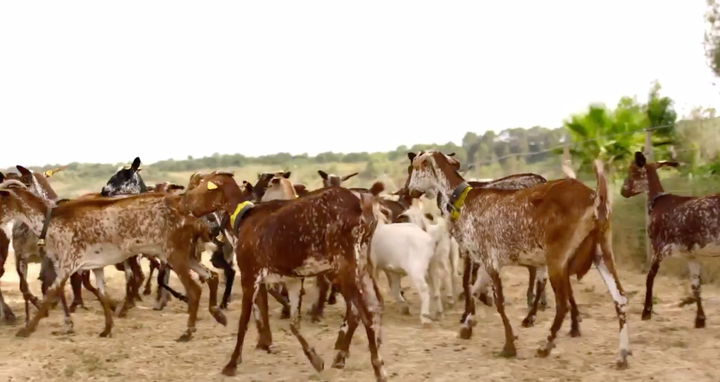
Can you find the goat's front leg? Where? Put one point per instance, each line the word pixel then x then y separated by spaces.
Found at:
pixel 468 318
pixel 696 282
pixel 154 265
pixel 104 301
pixel 249 292
pixel 22 267
pixel 56 288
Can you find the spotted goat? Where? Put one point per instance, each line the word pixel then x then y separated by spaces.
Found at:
pixel 91 234
pixel 327 230
pixel 562 224
pixel 681 226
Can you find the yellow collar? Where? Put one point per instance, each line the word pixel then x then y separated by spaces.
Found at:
pixel 457 200
pixel 239 211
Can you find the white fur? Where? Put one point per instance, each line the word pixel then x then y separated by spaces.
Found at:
pixel 405 249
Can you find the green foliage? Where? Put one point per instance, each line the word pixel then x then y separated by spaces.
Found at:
pixel 613 136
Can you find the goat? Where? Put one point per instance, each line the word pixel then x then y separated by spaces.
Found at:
pixel 329 229
pixel 407 249
pixel 683 226
pixel 445 259
pixel 547 224
pixel 91 234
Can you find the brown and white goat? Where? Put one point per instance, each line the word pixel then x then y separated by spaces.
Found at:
pixel 91 234
pixel 327 230
pixel 683 226
pixel 547 224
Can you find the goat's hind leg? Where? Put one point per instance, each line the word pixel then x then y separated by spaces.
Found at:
pixel 605 264
pixel 294 287
pixel 541 281
pixel 369 306
pixel 345 334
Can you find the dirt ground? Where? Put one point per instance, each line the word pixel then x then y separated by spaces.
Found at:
pixel 143 347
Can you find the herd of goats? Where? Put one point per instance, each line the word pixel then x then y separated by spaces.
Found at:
pixel 280 233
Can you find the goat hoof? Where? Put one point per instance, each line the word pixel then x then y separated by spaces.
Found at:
pixel 218 315
pixel 268 348
pixel 105 334
pixel 545 350
pixel 185 337
pixel 699 322
pixel 528 322
pixel 332 300
pixel 646 315
pixel 405 310
pixel 508 352
pixel 687 301
pixel 622 362
pixel 147 292
pixel 224 306
pixel 285 314
pixel 574 333
pixel 24 333
pixel 339 362
pixel 229 370
pixel 465 332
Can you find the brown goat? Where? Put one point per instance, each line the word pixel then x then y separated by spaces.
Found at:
pixel 542 225
pixel 329 229
pixel 682 226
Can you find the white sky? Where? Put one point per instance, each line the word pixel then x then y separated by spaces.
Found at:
pixel 100 81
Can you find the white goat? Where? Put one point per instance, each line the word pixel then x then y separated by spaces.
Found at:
pixel 447 250
pixel 406 249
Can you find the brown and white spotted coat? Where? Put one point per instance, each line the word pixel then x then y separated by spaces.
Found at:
pixel 542 225
pixel 91 234
pixel 682 226
pixel 327 230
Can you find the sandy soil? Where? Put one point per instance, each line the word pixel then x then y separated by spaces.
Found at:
pixel 142 347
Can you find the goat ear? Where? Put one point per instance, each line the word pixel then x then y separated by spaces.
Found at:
pixel 411 156
pixel 176 187
pixel 23 171
pixel 640 159
pixel 323 174
pixel 668 163
pixel 346 177
pixel 2 177
pixel 248 186
pixel 452 154
pixel 287 174
pixel 135 164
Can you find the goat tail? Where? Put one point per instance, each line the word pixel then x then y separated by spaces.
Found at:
pixel 377 188
pixel 603 207
pixel 372 210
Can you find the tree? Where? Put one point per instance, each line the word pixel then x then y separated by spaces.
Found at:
pixel 712 36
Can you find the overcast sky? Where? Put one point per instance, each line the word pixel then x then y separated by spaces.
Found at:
pixel 100 81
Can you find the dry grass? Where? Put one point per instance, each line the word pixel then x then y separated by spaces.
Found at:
pixel 142 348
